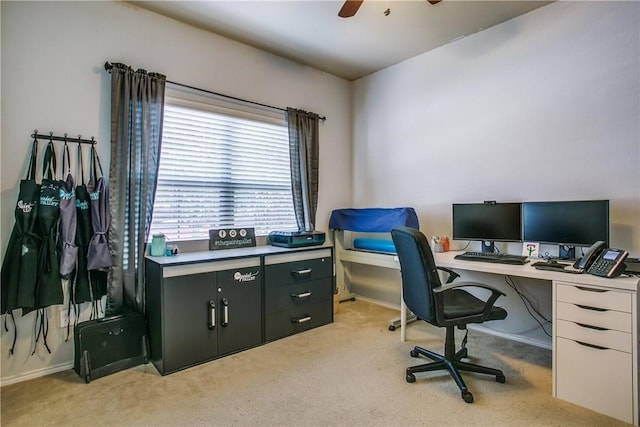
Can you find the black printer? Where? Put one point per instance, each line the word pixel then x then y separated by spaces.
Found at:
pixel 295 239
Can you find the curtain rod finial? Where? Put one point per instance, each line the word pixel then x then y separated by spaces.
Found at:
pixel 108 66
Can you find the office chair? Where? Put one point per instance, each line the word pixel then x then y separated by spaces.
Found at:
pixel 445 306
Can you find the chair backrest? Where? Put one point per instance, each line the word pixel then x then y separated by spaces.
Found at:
pixel 418 269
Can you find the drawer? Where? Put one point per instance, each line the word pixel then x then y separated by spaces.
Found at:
pixel 593 297
pixel 306 270
pixel 297 295
pixel 606 338
pixel 600 380
pixel 283 323
pixel 602 318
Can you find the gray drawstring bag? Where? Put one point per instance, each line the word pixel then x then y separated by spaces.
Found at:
pixel 68 218
pixel 98 254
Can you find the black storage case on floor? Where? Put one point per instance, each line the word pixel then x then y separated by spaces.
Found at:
pixel 109 345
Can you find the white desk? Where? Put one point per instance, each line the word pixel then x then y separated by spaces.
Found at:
pixel 595 335
pixel 595 330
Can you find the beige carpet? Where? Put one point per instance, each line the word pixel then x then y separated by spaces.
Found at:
pixel 349 373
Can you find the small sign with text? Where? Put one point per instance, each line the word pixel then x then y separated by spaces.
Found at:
pixel 228 238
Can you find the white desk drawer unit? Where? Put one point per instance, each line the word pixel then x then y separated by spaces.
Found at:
pixel 594 349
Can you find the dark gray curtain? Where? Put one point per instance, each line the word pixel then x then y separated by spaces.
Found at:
pixel 137 105
pixel 303 151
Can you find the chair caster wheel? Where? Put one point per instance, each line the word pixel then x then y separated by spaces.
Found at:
pixel 392 328
pixel 414 353
pixel 467 396
pixel 500 378
pixel 411 378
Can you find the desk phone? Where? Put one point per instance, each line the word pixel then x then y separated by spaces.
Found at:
pixel 609 263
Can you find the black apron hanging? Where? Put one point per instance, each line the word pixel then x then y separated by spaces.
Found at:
pixel 98 256
pixel 19 268
pixel 49 287
pixel 68 218
pixel 81 290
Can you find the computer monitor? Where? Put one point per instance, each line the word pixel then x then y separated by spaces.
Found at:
pixel 488 222
pixel 566 223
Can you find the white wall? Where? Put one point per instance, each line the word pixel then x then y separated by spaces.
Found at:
pixel 53 80
pixel 543 107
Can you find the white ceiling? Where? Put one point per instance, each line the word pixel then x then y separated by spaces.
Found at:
pixel 310 31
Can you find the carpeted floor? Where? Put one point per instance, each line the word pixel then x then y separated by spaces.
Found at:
pixel 349 373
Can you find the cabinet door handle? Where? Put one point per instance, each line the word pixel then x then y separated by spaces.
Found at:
pixel 304 272
pixel 597 347
pixel 302 295
pixel 225 312
pixel 300 319
pixel 212 314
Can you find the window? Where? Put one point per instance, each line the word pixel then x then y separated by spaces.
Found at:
pixel 222 165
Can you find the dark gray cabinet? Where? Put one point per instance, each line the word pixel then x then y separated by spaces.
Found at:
pixel 198 312
pixel 298 292
pixel 205 305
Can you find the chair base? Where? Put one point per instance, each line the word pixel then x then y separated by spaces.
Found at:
pixel 453 364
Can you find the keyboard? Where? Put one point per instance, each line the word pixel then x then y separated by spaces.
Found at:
pixel 493 257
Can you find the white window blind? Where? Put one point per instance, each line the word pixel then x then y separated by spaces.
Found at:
pixel 221 168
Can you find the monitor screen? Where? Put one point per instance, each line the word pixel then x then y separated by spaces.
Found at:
pixel 569 223
pixel 487 221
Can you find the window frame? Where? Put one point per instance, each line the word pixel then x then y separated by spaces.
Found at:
pixel 185 97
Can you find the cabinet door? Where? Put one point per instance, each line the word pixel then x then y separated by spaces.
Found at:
pixel 190 337
pixel 240 309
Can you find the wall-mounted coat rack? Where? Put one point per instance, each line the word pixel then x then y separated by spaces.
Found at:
pixel 64 138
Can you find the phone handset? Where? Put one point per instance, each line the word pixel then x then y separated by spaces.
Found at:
pixel 590 256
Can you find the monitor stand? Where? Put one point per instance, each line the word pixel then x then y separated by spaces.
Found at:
pixel 488 246
pixel 567 252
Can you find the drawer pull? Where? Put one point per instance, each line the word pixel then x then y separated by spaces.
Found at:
pixel 298 273
pixel 597 328
pixel 586 307
pixel 212 314
pixel 582 288
pixel 301 319
pixel 302 295
pixel 597 347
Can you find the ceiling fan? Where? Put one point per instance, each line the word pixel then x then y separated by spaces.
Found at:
pixel 350 7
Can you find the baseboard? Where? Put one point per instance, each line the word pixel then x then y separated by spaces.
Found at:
pixel 35 374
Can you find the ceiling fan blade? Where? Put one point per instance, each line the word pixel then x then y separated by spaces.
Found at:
pixel 349 8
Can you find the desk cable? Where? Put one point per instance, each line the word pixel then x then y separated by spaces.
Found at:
pixel 527 304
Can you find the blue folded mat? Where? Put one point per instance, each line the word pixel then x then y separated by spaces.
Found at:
pixel 375 245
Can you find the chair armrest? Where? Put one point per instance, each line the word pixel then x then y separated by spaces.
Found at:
pixel 452 274
pixel 488 304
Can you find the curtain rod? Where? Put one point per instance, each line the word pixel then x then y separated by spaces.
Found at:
pixel 108 66
pixel 65 138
